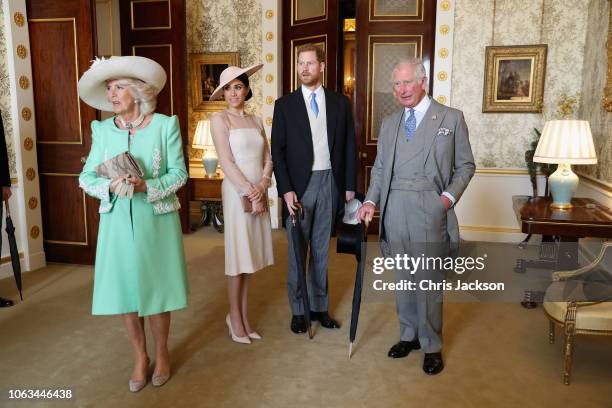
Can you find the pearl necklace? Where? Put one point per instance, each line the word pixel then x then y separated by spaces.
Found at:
pixel 133 124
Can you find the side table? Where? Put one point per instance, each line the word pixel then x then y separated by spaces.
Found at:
pixel 207 190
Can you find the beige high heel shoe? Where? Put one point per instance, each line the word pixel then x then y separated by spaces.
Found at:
pixel 137 385
pixel 159 380
pixel 254 335
pixel 242 340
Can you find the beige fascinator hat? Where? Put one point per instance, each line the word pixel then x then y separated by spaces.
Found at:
pixel 92 85
pixel 229 74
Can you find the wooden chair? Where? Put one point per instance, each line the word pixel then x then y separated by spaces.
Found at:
pixel 580 301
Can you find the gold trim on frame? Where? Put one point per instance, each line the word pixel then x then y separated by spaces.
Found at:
pixel 168 27
pixel 195 78
pixel 506 172
pixel 311 19
pixel 370 141
pixel 32 203
pixel 537 53
pixel 293 60
pixel 76 75
pixel 372 14
pixel 269 14
pixel 78 243
pixel 169 75
pixel 269 78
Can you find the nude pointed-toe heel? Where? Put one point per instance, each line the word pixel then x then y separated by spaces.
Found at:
pixel 241 340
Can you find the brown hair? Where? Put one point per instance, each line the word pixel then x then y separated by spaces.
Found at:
pixel 311 47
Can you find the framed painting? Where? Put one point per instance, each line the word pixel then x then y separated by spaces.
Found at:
pixel 205 70
pixel 514 78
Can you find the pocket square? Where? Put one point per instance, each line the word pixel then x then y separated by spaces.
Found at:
pixel 444 132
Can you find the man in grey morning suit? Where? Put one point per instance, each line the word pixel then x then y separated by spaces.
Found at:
pixel 315 164
pixel 423 165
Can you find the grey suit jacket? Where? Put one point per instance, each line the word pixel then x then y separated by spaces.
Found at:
pixel 449 163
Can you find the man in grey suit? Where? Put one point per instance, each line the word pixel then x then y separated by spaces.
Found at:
pixel 423 165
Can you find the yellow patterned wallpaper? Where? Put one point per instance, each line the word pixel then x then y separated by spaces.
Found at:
pixel 225 26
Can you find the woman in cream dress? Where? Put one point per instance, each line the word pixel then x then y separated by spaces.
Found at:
pixel 245 159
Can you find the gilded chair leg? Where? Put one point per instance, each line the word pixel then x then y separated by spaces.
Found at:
pixel 570 332
pixel 569 351
pixel 551 332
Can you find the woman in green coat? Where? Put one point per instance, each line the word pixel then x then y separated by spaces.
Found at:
pixel 140 264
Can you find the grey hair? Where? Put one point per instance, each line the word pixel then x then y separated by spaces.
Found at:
pixel 417 63
pixel 144 94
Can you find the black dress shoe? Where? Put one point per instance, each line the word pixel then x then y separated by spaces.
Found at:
pixel 325 320
pixel 402 348
pixel 432 364
pixel 6 302
pixel 298 324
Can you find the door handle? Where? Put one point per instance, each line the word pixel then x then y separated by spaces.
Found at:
pixel 364 155
pixel 83 159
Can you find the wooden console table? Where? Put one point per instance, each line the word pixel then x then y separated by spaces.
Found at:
pixel 587 218
pixel 207 190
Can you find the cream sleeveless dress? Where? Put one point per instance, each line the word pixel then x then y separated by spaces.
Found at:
pixel 248 237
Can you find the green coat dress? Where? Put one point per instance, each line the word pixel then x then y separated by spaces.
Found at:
pixel 140 260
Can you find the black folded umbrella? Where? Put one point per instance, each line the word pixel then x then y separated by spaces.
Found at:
pixel 10 232
pixel 296 235
pixel 361 255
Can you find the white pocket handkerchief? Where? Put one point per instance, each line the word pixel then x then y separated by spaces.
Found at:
pixel 444 132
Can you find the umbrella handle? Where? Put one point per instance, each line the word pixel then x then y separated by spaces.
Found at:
pixel 300 210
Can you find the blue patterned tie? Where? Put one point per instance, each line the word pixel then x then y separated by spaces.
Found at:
pixel 313 104
pixel 410 125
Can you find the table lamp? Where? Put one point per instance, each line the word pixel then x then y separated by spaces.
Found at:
pixel 565 142
pixel 203 140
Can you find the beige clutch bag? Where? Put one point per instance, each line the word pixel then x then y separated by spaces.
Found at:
pixel 121 165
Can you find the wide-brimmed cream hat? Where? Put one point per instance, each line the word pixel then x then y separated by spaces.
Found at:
pixel 229 74
pixel 92 85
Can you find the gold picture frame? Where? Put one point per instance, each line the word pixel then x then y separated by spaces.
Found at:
pixel 607 98
pixel 205 69
pixel 514 78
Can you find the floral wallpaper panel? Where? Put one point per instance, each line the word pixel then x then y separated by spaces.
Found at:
pixel 500 139
pixel 225 26
pixel 594 80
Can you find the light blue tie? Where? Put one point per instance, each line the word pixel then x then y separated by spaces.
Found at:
pixel 313 104
pixel 410 125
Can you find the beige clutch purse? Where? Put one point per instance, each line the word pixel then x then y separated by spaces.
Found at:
pixel 121 165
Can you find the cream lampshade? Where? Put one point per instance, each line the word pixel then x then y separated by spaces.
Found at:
pixel 203 140
pixel 565 142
